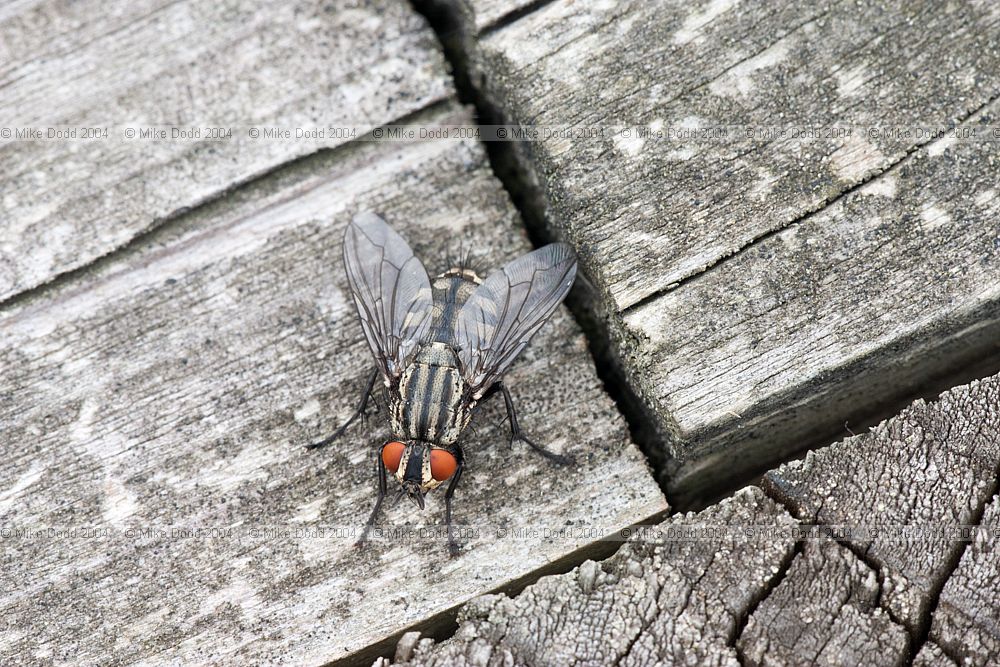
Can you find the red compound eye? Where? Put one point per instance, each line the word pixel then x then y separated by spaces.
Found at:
pixel 392 454
pixel 443 464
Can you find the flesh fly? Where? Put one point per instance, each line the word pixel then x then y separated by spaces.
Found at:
pixel 441 348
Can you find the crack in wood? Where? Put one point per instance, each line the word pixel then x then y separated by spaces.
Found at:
pixel 772 584
pixel 513 16
pixel 163 227
pixel 806 215
pixel 923 632
pixel 847 544
pixel 517 178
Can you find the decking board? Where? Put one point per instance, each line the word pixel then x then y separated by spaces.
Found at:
pixel 760 292
pixel 194 64
pixel 176 386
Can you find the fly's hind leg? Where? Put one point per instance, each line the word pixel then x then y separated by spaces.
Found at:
pixel 360 410
pixel 380 472
pixel 517 434
pixel 453 548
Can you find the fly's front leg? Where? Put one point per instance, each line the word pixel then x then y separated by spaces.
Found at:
pixel 357 413
pixel 380 472
pixel 453 548
pixel 517 434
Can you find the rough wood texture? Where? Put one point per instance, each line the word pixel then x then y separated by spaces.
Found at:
pixel 967 619
pixel 196 64
pixel 781 345
pixel 680 206
pixel 804 329
pixel 931 655
pixel 824 612
pixel 175 386
pixel 933 466
pixel 826 603
pixel 667 602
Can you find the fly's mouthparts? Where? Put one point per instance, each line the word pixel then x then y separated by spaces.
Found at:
pixel 415 494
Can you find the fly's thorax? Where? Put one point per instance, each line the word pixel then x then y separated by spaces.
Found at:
pixel 450 291
pixel 462 272
pixel 437 354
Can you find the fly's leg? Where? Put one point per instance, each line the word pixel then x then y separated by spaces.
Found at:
pixel 380 472
pixel 453 547
pixel 517 434
pixel 357 413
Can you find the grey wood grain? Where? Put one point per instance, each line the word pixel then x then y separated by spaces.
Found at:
pixel 810 324
pixel 681 206
pixel 670 601
pixel 173 388
pixel 195 64
pixel 967 619
pixel 824 612
pixel 932 468
pixel 895 283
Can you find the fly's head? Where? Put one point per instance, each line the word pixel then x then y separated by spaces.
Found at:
pixel 418 466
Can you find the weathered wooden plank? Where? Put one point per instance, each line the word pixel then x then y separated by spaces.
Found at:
pixel 677 207
pixel 174 387
pixel 672 601
pixel 827 320
pixel 929 468
pixel 824 612
pixel 190 64
pixel 967 619
pixel 895 283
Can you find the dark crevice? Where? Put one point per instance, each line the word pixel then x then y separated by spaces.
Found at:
pixel 515 15
pixel 923 631
pixel 858 553
pixel 513 172
pixel 769 587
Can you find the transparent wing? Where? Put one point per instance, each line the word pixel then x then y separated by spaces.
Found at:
pixel 391 291
pixel 505 311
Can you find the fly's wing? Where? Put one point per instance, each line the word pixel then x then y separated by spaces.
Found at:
pixel 505 311
pixel 391 291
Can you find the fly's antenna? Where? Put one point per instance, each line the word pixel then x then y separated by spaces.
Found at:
pixel 399 496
